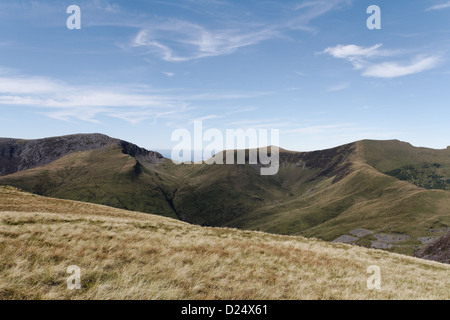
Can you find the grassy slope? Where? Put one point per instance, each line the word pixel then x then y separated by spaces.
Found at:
pixel 129 255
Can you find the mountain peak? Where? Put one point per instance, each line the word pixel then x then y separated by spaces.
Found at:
pixel 21 154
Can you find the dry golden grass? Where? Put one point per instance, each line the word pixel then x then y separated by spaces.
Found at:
pixel 126 255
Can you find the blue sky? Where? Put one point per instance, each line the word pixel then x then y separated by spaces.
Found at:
pixel 138 70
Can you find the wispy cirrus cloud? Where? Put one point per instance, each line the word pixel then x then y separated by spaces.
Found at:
pixel 225 27
pixel 355 54
pixel 64 101
pixel 351 51
pixel 309 10
pixel 176 40
pixel 439 6
pixel 395 69
pixel 51 93
pixel 366 59
pixel 339 87
pixel 106 6
pixel 190 41
pixel 60 100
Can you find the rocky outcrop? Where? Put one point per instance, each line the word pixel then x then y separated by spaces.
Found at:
pixel 439 250
pixel 144 156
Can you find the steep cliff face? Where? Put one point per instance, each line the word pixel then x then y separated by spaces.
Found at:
pixel 17 155
pixel 144 156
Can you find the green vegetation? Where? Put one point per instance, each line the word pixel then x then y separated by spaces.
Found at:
pixel 425 176
pixel 426 168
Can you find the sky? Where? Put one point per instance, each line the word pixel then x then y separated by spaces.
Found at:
pixel 139 70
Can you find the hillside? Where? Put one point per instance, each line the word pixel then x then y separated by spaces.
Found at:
pixel 426 168
pixel 363 198
pixel 130 255
pixel 357 193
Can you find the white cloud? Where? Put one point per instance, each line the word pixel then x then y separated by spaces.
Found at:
pixel 177 40
pixel 357 55
pixel 439 6
pixel 106 6
pixel 339 87
pixel 299 73
pixel 189 41
pixel 394 69
pixel 362 59
pixel 310 10
pixel 351 50
pixel 60 100
pixel 226 26
pixel 29 85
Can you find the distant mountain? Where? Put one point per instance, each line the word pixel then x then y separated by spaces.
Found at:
pixel 384 194
pixel 18 154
